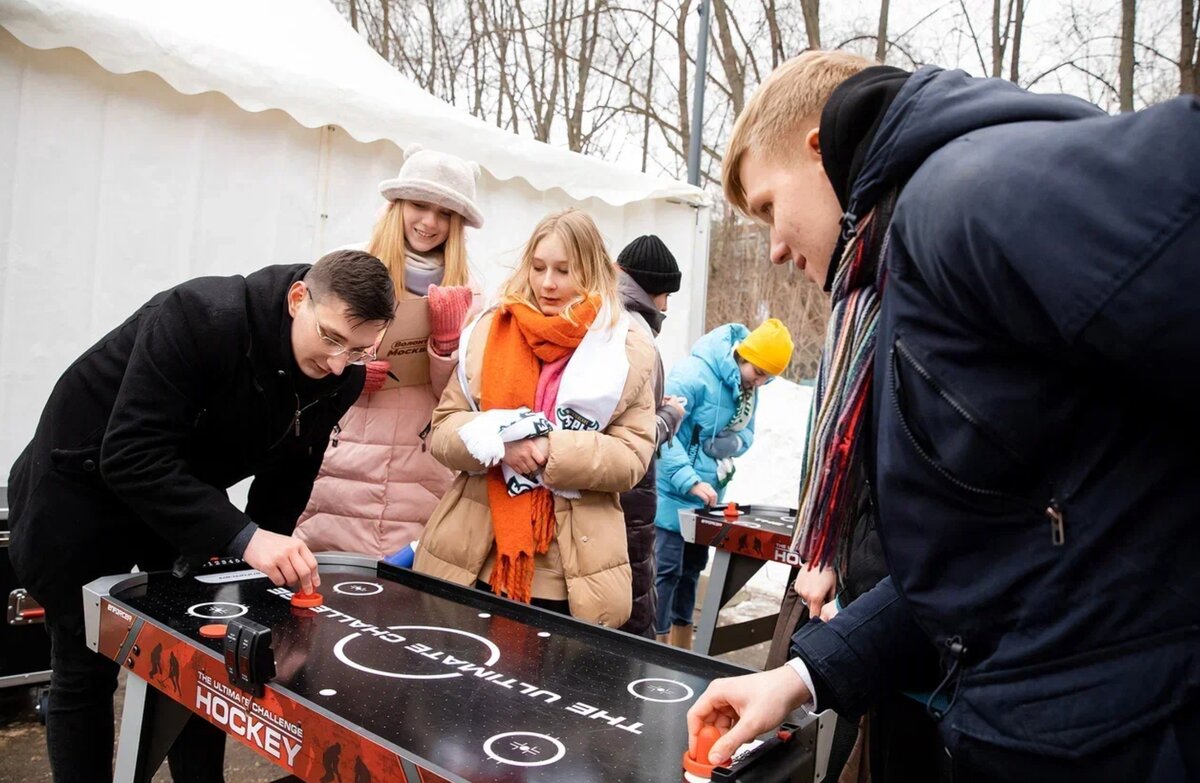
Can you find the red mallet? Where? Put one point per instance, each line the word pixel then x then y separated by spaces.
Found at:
pixel 731 511
pixel 307 600
pixel 698 765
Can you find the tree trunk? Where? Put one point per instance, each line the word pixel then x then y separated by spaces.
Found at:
pixel 812 22
pixel 881 39
pixel 1189 53
pixel 1018 25
pixel 589 34
pixel 997 50
pixel 772 15
pixel 431 9
pixel 476 65
pixel 681 84
pixel 387 31
pixel 649 86
pixel 354 14
pixel 731 62
pixel 1125 71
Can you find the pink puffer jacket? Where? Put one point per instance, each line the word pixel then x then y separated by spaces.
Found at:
pixel 378 482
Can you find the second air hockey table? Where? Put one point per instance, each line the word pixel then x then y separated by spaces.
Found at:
pixel 402 677
pixel 745 538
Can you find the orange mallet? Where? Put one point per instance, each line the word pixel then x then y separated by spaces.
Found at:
pixel 698 765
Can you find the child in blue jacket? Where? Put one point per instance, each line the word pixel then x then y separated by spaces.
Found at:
pixel 719 382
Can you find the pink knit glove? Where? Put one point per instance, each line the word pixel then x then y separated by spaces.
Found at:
pixel 448 308
pixel 376 374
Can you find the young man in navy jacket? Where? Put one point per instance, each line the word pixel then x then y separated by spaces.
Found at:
pixel 1022 271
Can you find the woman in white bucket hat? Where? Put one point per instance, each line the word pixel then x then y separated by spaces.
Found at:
pixel 379 483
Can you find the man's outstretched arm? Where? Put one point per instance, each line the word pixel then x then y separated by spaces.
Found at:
pixel 867 650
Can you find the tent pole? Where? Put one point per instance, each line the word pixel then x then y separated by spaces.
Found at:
pixel 698 99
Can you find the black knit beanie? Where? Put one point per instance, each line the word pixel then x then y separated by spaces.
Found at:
pixel 651 265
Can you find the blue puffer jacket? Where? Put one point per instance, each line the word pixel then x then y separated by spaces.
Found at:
pixel 709 379
pixel 1034 421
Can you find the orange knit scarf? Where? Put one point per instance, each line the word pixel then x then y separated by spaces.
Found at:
pixel 520 340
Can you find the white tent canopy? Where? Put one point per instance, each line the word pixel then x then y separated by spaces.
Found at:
pixel 144 142
pixel 302 57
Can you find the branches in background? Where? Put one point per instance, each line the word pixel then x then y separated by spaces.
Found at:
pixel 613 78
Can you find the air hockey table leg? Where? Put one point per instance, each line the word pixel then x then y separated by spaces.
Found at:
pixel 730 573
pixel 150 722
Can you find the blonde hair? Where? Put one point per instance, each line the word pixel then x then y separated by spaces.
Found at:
pixel 591 267
pixel 788 101
pixel 389 246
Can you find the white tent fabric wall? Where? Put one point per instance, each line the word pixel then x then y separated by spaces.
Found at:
pixel 113 187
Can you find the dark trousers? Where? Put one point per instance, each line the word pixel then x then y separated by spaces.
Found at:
pixel 79 718
pixel 678 566
pixel 68 529
pixel 561 607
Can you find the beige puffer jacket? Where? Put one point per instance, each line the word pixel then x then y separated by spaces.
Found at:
pixel 590 553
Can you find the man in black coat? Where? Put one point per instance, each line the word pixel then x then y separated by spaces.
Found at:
pixel 649 274
pixel 208 383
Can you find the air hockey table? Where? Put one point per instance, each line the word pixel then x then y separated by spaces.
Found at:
pixel 402 677
pixel 744 542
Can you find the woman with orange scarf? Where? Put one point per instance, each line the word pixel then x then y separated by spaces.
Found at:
pixel 550 418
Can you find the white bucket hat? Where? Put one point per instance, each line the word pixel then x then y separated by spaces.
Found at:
pixel 436 178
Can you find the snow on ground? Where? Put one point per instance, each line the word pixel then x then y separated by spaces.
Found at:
pixel 769 474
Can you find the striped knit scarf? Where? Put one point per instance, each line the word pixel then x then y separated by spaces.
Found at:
pixel 834 479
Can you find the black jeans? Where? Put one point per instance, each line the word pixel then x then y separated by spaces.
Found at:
pixel 79 716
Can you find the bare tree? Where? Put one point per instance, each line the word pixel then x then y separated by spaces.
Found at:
pixel 881 40
pixel 593 74
pixel 733 62
pixel 775 32
pixel 1189 52
pixel 1018 25
pixel 812 22
pixel 386 33
pixel 1125 69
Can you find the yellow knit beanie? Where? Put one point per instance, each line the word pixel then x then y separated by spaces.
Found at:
pixel 769 347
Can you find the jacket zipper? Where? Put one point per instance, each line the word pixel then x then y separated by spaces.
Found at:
pixel 425 434
pixel 1052 510
pixel 299 410
pixel 294 424
pixel 337 430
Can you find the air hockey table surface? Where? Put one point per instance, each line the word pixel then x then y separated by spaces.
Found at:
pixel 397 676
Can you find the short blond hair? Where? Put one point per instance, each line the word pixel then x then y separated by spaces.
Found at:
pixel 591 267
pixel 788 101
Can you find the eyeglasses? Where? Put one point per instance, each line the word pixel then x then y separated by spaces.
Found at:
pixel 334 348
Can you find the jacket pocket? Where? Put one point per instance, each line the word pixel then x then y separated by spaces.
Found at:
pixel 1074 706
pixel 964 455
pixel 77 462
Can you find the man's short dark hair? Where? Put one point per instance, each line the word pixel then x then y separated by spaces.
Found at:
pixel 357 278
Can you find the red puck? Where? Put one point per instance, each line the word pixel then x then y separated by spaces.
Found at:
pixel 307 600
pixel 213 631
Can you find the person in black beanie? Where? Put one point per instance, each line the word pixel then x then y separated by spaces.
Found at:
pixel 1007 380
pixel 648 276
